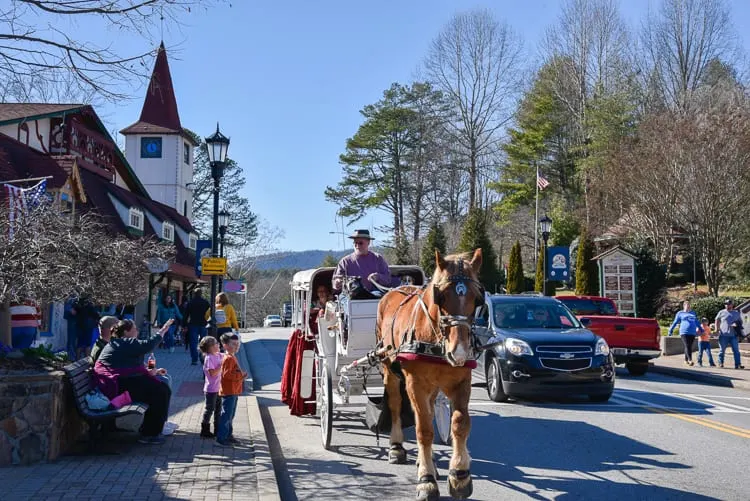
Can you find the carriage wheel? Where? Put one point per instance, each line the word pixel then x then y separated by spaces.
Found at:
pixel 325 402
pixel 443 413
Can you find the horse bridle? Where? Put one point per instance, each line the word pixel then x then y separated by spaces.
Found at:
pixel 460 279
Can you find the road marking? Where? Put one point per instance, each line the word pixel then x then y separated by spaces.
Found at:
pixel 660 409
pixel 714 402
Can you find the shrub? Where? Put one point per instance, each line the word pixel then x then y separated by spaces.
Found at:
pixel 587 271
pixel 709 306
pixel 515 278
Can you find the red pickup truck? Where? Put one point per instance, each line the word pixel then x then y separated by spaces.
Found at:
pixel 633 341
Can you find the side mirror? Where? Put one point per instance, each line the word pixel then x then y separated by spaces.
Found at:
pixel 585 322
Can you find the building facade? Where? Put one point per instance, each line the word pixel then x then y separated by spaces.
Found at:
pixel 144 191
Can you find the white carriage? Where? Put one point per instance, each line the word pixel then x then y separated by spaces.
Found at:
pixel 345 363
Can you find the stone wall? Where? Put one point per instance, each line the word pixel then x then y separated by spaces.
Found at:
pixel 38 418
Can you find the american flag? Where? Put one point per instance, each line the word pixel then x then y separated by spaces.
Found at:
pixel 541 183
pixel 20 200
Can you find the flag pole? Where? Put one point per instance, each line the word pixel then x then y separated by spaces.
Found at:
pixel 536 214
pixel 27 180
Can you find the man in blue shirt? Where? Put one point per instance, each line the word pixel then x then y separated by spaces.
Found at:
pixel 689 327
pixel 729 326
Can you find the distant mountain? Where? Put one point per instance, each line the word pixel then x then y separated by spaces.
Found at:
pixel 297 260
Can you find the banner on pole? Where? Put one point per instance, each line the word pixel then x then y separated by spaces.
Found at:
pixel 202 249
pixel 558 263
pixel 236 286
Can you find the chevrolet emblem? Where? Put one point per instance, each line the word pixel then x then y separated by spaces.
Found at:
pixel 566 355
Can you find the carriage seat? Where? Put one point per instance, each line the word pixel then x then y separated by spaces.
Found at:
pixel 360 315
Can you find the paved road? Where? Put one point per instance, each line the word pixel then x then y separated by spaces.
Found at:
pixel 659 437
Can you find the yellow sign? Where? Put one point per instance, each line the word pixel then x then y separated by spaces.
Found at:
pixel 213 266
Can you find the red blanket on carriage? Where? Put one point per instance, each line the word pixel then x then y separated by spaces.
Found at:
pixel 291 376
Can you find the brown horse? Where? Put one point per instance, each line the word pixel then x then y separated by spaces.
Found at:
pixel 430 332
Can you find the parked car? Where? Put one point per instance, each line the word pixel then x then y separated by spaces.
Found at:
pixel 633 341
pixel 272 321
pixel 286 313
pixel 535 347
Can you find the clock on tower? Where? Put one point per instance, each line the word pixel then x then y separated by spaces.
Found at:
pixel 150 147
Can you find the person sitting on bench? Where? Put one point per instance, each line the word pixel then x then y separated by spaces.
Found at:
pixel 365 264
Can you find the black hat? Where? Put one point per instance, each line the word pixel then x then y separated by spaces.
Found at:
pixel 729 301
pixel 361 234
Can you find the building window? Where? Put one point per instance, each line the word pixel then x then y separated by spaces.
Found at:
pixel 135 219
pixel 167 231
pixel 150 147
pixel 193 241
pixel 186 154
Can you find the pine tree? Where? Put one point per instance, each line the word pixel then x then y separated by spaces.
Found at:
pixel 587 272
pixel 435 240
pixel 515 270
pixel 474 235
pixel 539 277
pixel 403 250
pixel 329 261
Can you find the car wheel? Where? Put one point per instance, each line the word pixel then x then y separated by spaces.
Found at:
pixel 495 381
pixel 600 397
pixel 638 368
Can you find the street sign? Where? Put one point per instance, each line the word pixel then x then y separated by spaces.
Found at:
pixel 157 265
pixel 214 265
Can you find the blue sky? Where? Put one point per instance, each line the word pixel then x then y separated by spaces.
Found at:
pixel 286 80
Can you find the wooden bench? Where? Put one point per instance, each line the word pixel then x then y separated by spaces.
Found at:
pixel 82 382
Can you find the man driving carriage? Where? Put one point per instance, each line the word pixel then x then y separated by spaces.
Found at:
pixel 364 264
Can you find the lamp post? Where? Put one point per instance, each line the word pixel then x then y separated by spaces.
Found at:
pixel 343 236
pixel 223 224
pixel 217 146
pixel 545 224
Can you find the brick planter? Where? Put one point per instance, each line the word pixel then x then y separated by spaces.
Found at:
pixel 38 419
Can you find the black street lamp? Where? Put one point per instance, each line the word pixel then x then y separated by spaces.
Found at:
pixel 545 224
pixel 217 146
pixel 223 224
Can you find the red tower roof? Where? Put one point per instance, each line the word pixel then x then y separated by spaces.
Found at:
pixel 159 113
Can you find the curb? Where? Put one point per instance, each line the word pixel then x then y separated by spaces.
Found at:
pixel 712 379
pixel 268 485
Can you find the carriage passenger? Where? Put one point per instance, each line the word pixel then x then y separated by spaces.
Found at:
pixel 365 264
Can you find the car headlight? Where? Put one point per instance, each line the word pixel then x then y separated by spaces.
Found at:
pixel 602 348
pixel 518 347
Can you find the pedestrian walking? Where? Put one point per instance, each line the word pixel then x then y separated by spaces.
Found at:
pixel 212 371
pixel 704 344
pixel 231 388
pixel 195 319
pixel 168 310
pixel 729 325
pixel 689 326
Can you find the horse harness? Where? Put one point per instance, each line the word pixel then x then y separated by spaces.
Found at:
pixel 409 344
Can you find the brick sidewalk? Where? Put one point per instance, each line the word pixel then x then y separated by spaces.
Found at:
pixel 186 467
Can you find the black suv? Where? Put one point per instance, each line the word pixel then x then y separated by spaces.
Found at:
pixel 539 348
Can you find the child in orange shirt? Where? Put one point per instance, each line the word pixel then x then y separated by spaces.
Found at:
pixel 231 388
pixel 704 344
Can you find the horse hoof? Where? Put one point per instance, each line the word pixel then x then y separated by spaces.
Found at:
pixel 427 489
pixel 397 454
pixel 460 485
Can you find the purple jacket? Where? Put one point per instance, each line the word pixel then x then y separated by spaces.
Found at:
pixel 106 378
pixel 363 266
